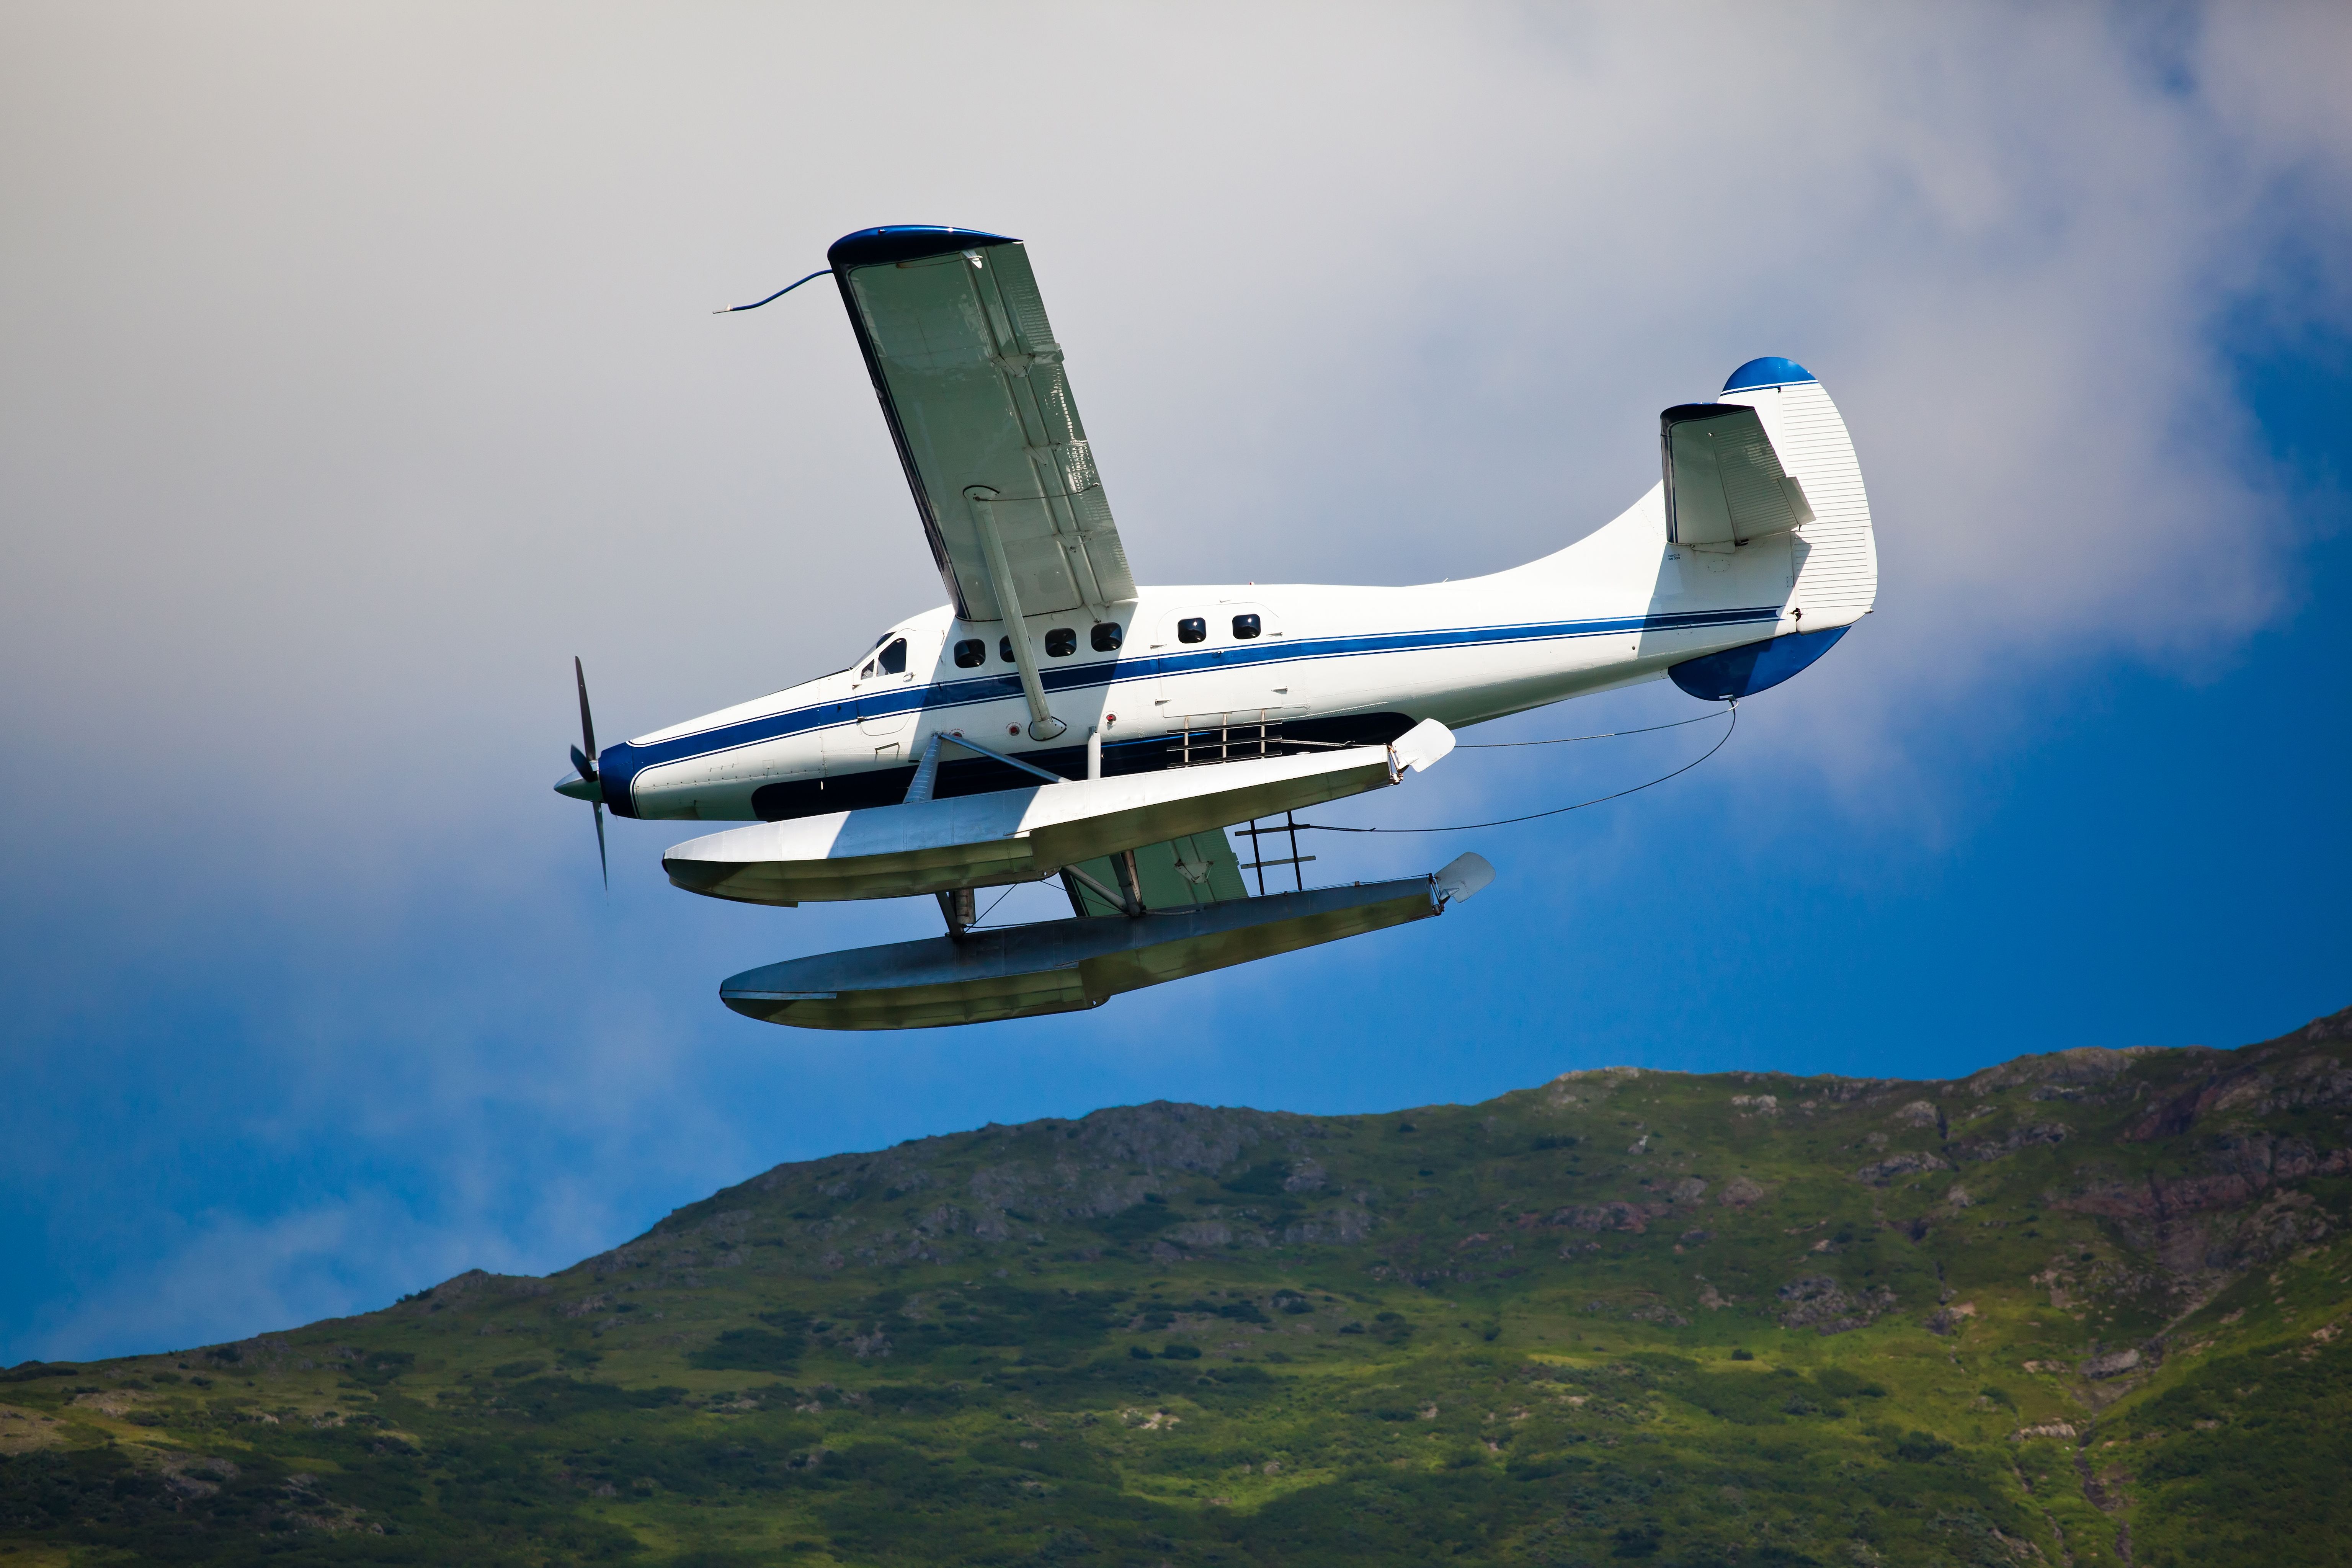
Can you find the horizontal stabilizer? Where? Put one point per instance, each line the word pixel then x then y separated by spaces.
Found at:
pixel 1062 966
pixel 1725 484
pixel 1462 877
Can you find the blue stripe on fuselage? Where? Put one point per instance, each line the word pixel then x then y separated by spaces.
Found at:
pixel 620 764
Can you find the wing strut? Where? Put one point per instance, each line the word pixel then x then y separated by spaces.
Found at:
pixel 926 781
pixel 1125 901
pixel 1043 725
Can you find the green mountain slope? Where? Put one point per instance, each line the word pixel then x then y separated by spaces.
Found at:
pixel 2081 1308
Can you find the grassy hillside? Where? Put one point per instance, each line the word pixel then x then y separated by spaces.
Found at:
pixel 2081 1308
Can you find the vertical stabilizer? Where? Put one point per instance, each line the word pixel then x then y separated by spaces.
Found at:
pixel 1835 559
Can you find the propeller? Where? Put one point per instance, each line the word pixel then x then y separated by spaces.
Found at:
pixel 588 785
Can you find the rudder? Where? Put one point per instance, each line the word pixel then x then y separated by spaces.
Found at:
pixel 1835 580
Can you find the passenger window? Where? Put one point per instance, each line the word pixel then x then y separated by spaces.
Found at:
pixel 1004 649
pixel 894 658
pixel 1193 629
pixel 1246 628
pixel 1061 643
pixel 970 654
pixel 1106 637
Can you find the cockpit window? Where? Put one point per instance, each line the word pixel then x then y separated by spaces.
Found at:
pixel 894 658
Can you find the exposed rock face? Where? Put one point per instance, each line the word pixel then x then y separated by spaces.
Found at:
pixel 1819 1303
pixel 1947 1319
pixel 1345 1226
pixel 2118 1364
pixel 1306 1176
pixel 2044 1133
pixel 1635 1217
pixel 2305 1082
pixel 1887 1170
pixel 2085 1066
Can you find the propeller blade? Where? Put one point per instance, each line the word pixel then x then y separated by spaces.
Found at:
pixel 587 725
pixel 602 864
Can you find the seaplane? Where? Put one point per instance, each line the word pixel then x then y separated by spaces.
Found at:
pixel 1055 721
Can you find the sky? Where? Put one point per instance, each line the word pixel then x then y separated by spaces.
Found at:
pixel 357 371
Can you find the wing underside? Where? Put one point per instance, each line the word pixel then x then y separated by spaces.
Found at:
pixel 970 380
pixel 1198 869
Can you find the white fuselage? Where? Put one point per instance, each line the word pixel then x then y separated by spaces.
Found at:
pixel 1618 606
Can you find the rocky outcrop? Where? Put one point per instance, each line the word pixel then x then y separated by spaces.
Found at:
pixel 1344 1226
pixel 2246 1169
pixel 1168 1136
pixel 1887 1170
pixel 2116 1363
pixel 2041 1135
pixel 2283 1074
pixel 2084 1066
pixel 1634 1217
pixel 1819 1303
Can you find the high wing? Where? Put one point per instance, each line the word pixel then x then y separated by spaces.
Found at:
pixel 970 380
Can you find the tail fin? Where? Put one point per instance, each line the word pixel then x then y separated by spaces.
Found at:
pixel 1769 464
pixel 1835 559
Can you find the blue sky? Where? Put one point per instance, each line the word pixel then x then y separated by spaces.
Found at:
pixel 360 376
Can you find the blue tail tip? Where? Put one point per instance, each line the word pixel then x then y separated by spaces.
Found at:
pixel 1769 371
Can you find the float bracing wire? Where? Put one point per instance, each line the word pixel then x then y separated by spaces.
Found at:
pixel 1732 708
